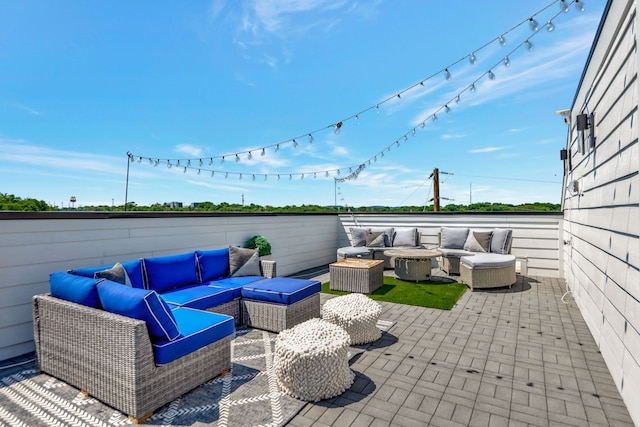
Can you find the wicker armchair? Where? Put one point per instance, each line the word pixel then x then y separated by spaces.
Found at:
pixel 110 357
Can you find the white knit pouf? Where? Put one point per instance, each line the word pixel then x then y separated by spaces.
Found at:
pixel 311 361
pixel 355 313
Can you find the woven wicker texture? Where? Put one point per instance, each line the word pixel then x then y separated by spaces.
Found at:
pixel 488 277
pixel 268 268
pixel 231 308
pixel 311 361
pixel 110 357
pixel 278 317
pixel 450 265
pixel 357 314
pixel 354 276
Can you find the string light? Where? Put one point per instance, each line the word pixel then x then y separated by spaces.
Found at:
pixel 338 125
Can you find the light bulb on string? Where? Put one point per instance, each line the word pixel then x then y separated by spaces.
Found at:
pixel 222 160
pixel 277 148
pixel 301 176
pixel 326 174
pixel 240 177
pixel 491 75
pixel 447 74
pixel 382 154
pixel 249 156
pixel 265 177
pixel 564 6
pixel 405 138
pixel 550 26
pixel 533 24
pixel 434 117
pixel 237 158
pixel 213 173
pixel 210 161
pixel 178 164
pixel 506 61
pixel 169 164
pixel 262 153
pixel 253 177
pixel 198 171
pixel 185 170
pixel 502 40
pixel 472 58
pixel 337 128
pixel 377 109
pixel 139 159
pixel 458 99
pixel 188 163
pixel 226 175
pixel 579 5
pixel 424 123
pixel 315 175
pixel 200 162
pixel 295 143
pixel 472 88
pixel 310 139
pixel 413 132
pixel 157 163
pixel 447 109
pixel 528 44
pixel 278 177
pixel 290 177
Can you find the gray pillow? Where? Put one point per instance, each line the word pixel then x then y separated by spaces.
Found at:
pixel 358 236
pixel 388 234
pixel 243 262
pixel 501 241
pixel 405 237
pixel 117 274
pixel 453 238
pixel 478 241
pixel 375 239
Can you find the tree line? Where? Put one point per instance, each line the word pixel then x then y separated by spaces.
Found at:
pixel 9 202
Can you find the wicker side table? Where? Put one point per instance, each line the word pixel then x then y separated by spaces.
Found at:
pixel 356 275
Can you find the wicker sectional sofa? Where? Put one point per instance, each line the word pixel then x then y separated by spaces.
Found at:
pixel 139 334
pixel 371 242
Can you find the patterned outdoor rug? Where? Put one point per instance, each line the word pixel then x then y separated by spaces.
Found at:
pixel 248 396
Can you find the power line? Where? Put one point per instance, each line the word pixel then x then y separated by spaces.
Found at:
pixel 509 179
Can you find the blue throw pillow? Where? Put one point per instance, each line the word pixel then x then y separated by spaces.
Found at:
pixel 172 271
pixel 213 264
pixel 78 289
pixel 140 304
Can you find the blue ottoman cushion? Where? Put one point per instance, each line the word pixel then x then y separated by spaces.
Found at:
pixel 281 290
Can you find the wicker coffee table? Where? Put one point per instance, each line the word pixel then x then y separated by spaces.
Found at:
pixel 356 275
pixel 413 265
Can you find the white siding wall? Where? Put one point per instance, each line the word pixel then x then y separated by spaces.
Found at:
pixel 602 219
pixel 536 237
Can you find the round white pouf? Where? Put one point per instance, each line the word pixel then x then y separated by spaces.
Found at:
pixel 355 313
pixel 311 361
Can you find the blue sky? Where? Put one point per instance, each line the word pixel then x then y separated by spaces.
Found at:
pixel 84 83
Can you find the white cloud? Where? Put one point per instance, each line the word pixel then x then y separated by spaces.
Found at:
pixel 487 149
pixel 189 149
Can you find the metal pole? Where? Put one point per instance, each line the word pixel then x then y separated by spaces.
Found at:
pixel 126 192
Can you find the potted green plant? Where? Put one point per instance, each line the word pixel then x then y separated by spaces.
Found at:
pixel 261 243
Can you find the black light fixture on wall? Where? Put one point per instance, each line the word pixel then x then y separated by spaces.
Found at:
pixel 585 122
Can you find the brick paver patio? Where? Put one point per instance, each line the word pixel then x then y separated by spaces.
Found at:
pixel 516 357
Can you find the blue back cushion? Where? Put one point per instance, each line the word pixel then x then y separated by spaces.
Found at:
pixel 140 304
pixel 78 289
pixel 172 271
pixel 133 269
pixel 213 264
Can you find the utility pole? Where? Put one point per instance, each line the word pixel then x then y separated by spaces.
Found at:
pixel 436 190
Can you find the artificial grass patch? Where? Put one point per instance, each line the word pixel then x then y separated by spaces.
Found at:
pixel 429 294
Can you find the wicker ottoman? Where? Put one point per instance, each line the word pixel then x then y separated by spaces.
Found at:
pixel 279 303
pixel 355 313
pixel 356 275
pixel 488 270
pixel 311 361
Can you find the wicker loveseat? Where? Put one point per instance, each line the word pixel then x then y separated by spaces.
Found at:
pixel 481 257
pixel 139 334
pixel 371 242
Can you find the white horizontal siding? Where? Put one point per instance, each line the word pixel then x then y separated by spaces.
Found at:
pixel 601 225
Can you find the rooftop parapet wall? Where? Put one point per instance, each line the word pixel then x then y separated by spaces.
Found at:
pixel 34 244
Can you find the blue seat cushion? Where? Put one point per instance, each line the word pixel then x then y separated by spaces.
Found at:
pixel 213 264
pixel 235 283
pixel 140 304
pixel 133 269
pixel 198 329
pixel 78 289
pixel 201 297
pixel 280 290
pixel 172 271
